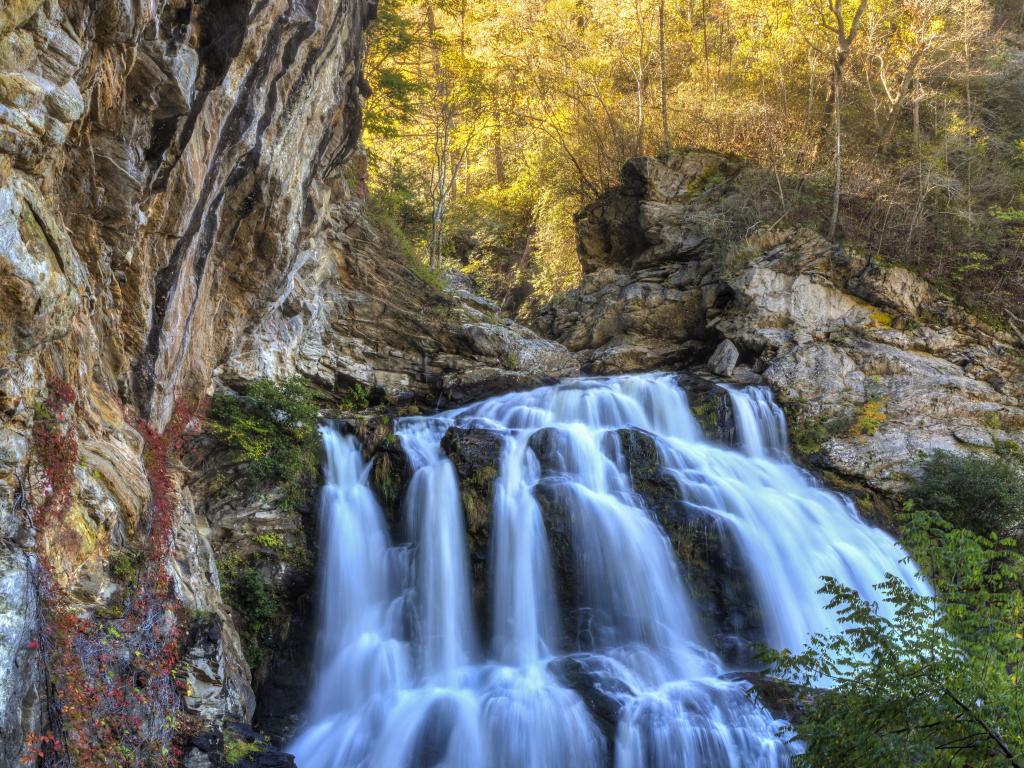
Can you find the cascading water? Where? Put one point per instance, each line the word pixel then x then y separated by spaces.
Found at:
pixel 404 681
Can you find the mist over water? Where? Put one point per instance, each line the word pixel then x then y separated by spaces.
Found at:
pixel 403 677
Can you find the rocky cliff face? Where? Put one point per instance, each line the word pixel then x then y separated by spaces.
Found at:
pixel 175 216
pixel 874 366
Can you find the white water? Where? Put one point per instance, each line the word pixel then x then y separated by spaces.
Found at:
pixel 403 680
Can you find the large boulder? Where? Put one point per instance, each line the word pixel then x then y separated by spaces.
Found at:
pixel 711 406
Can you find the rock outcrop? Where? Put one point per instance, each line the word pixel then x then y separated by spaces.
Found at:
pixel 874 366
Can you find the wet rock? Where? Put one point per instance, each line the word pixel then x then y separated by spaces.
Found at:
pixel 711 406
pixel 550 446
pixel 656 487
pixel 556 502
pixel 783 700
pixel 476 455
pixel 601 691
pixel 713 567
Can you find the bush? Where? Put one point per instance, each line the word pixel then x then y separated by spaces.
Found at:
pixel 272 429
pixel 258 607
pixel 921 680
pixel 981 493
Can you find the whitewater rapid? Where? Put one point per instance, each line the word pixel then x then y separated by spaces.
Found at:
pixel 405 680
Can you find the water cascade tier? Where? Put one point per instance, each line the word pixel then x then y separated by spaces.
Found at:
pixel 632 563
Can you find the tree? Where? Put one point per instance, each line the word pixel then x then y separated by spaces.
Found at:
pixel 833 19
pixel 921 680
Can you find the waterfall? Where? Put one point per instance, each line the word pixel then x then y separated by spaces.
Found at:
pixel 610 651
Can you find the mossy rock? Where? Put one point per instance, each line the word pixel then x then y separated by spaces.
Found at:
pixel 476 455
pixel 555 499
pixel 390 474
pixel 602 692
pixel 708 553
pixel 712 408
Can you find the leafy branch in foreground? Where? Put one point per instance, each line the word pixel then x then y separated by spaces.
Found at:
pixel 920 680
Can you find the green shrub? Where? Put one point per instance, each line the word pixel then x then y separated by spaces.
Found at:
pixel 871 416
pixel 258 609
pixel 978 492
pixel 355 398
pixel 923 680
pixel 272 429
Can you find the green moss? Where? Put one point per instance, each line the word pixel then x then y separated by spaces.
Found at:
pixel 273 541
pixel 237 750
pixel 807 434
pixel 477 491
pixel 125 567
pixel 386 478
pixel 272 430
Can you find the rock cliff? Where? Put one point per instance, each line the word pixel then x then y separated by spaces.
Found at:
pixel 874 366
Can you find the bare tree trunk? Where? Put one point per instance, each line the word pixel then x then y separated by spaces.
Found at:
pixel 666 139
pixel 704 29
pixel 917 113
pixel 837 74
pixel 499 155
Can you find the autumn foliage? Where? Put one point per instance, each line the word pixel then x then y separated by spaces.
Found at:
pixel 114 680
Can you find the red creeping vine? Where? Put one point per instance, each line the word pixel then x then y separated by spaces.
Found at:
pixel 115 682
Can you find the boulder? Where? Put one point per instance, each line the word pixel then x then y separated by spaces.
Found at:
pixel 724 359
pixel 556 502
pixel 711 406
pixel 595 683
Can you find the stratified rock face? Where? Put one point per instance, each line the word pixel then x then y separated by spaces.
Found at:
pixel 873 365
pixel 162 165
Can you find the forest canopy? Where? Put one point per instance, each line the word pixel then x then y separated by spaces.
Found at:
pixel 493 121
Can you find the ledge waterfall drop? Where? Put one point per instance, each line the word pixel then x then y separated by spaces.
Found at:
pixel 606 649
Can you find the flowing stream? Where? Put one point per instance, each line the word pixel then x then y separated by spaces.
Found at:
pixel 638 677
